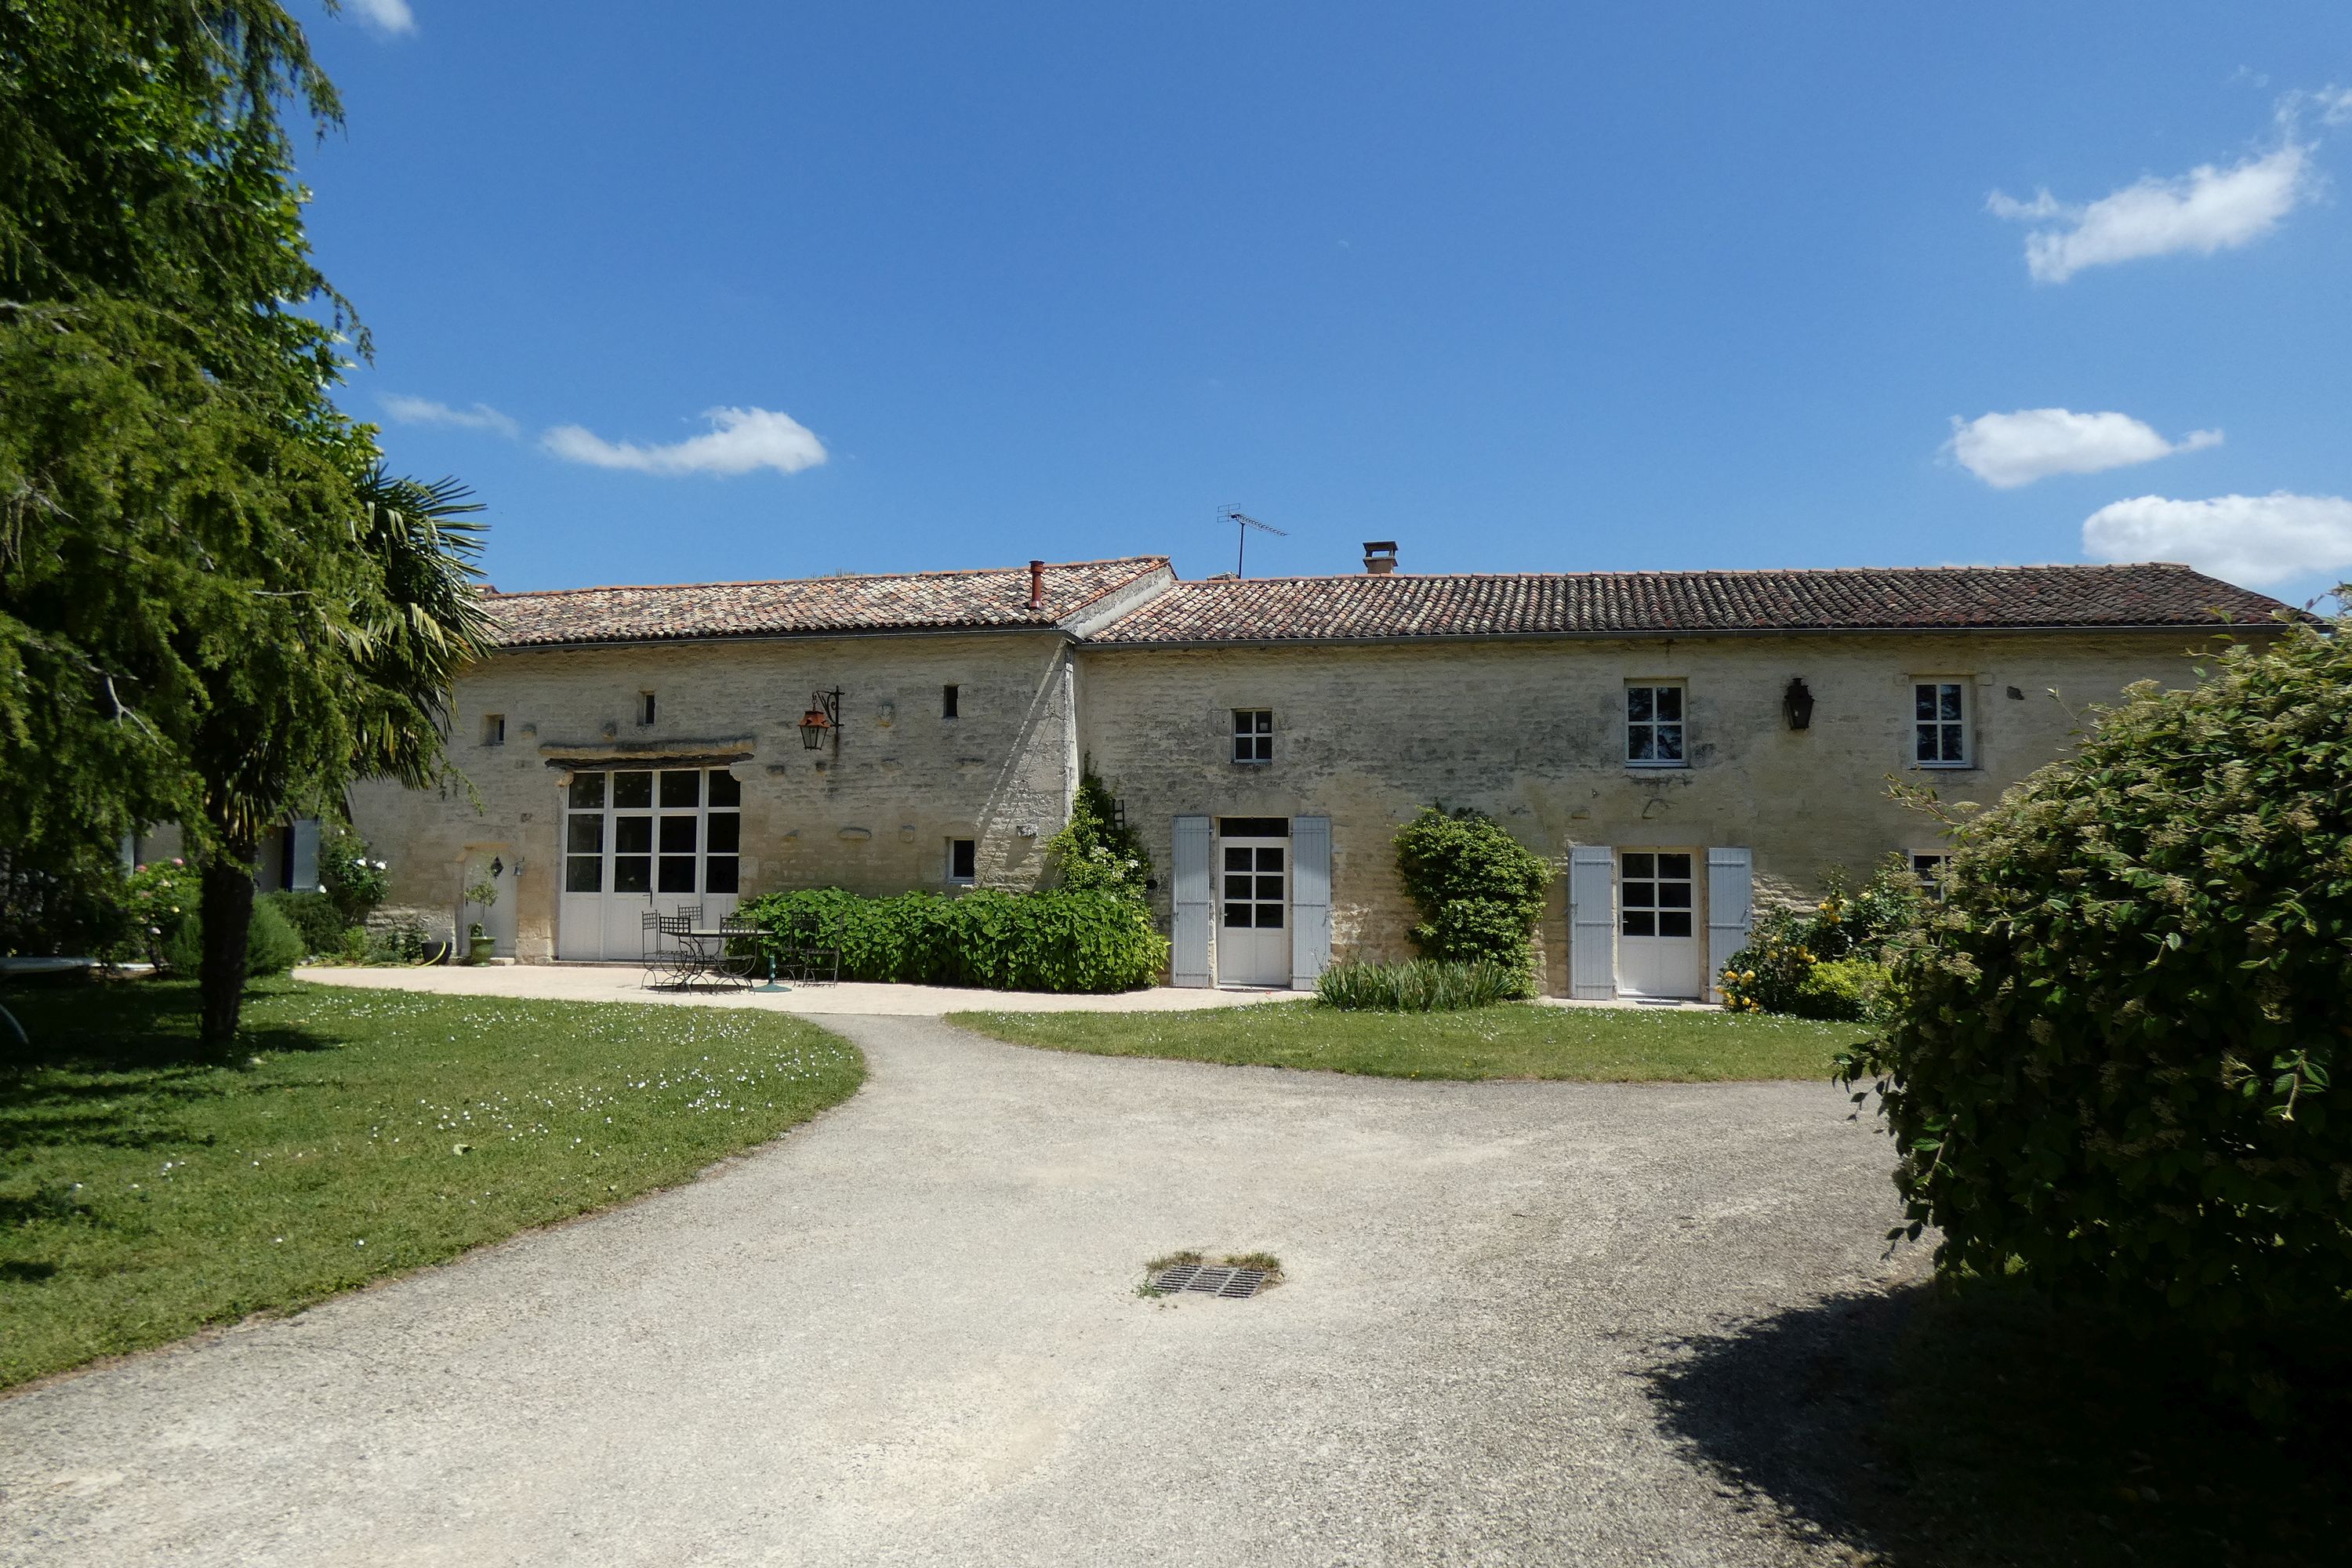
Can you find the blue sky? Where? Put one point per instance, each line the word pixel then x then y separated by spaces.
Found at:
pixel 1523 287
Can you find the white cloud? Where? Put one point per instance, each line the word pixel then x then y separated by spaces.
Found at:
pixel 741 439
pixel 2205 210
pixel 403 409
pixel 2006 450
pixel 2253 539
pixel 390 15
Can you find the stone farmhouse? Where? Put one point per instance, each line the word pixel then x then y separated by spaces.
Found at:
pixel 1683 745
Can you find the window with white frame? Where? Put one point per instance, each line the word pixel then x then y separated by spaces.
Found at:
pixel 1252 734
pixel 1940 723
pixel 1653 725
pixel 1932 866
pixel 963 861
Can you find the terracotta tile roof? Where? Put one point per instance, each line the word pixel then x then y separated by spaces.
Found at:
pixel 1902 598
pixel 813 606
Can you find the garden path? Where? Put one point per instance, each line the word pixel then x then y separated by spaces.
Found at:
pixel 909 1332
pixel 625 982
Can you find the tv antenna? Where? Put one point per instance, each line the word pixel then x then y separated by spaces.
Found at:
pixel 1242 522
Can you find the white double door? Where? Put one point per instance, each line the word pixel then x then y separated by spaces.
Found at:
pixel 645 840
pixel 1253 911
pixel 1658 934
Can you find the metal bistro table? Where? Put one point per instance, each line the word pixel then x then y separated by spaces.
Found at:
pixel 703 955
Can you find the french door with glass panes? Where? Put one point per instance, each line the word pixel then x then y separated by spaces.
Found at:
pixel 1253 911
pixel 1657 923
pixel 641 839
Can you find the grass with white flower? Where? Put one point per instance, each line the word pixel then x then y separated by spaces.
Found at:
pixel 150 1188
pixel 1511 1040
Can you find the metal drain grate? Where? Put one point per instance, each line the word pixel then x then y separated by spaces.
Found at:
pixel 1198 1278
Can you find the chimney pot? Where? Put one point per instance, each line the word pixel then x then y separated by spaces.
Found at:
pixel 1379 556
pixel 1037 584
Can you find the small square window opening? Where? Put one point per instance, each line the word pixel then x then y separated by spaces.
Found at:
pixel 644 707
pixel 1939 717
pixel 1933 868
pixel 948 701
pixel 963 859
pixel 1253 735
pixel 494 728
pixel 1653 726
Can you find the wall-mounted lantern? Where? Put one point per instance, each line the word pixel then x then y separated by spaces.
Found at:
pixel 1797 703
pixel 823 714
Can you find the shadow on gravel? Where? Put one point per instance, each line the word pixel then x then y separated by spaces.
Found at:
pixel 1928 1431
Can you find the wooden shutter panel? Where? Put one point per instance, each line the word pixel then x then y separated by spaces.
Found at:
pixel 1592 923
pixel 1188 964
pixel 1730 899
pixel 1310 900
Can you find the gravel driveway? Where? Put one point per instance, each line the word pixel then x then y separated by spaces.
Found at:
pixel 908 1333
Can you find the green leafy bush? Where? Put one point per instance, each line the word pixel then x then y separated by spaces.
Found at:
pixel 1479 890
pixel 1423 986
pixel 1094 851
pixel 158 897
pixel 315 918
pixel 1841 989
pixel 272 946
pixel 64 902
pixel 402 941
pixel 354 882
pixel 1060 939
pixel 2107 1071
pixel 1781 969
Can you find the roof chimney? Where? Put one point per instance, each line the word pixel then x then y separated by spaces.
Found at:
pixel 1379 556
pixel 1037 584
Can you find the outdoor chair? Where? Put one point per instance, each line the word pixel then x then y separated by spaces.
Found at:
pixel 800 958
pixel 664 956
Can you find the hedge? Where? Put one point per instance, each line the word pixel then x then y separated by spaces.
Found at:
pixel 1056 940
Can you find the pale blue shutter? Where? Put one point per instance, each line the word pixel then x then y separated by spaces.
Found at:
pixel 1591 923
pixel 1731 896
pixel 305 879
pixel 1310 900
pixel 1189 962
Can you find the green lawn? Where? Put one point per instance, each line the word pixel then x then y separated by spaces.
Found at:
pixel 148 1187
pixel 1516 1040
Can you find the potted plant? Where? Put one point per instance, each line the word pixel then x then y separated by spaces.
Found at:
pixel 480 946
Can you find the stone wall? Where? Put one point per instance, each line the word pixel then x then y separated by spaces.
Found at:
pixel 1533 733
pixel 875 819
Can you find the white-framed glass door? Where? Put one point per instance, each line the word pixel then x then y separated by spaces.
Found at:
pixel 1658 939
pixel 641 839
pixel 1253 909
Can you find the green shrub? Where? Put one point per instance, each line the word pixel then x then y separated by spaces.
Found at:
pixel 159 898
pixel 354 882
pixel 272 946
pixel 2108 1066
pixel 64 900
pixel 1841 990
pixel 1423 986
pixel 315 918
pixel 1780 969
pixel 1094 851
pixel 1060 939
pixel 401 941
pixel 1479 890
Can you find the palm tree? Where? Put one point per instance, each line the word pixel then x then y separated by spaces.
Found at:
pixel 357 689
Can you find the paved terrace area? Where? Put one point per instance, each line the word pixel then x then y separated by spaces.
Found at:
pixel 910 1332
